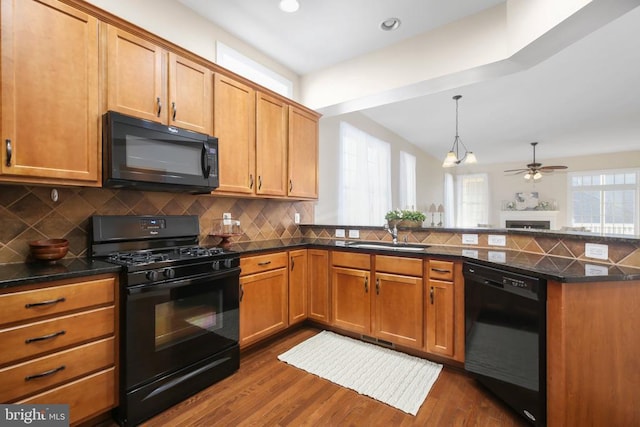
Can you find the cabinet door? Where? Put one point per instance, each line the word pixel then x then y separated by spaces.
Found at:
pixel 49 92
pixel 398 309
pixel 351 303
pixel 303 154
pixel 190 95
pixel 297 286
pixel 136 76
pixel 440 318
pixel 318 285
pixel 271 146
pixel 263 305
pixel 234 124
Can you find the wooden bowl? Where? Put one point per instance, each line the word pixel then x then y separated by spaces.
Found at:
pixel 49 250
pixel 49 243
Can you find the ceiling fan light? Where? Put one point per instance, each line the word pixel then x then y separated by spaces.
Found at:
pixel 289 6
pixel 537 176
pixel 527 176
pixel 470 158
pixel 450 161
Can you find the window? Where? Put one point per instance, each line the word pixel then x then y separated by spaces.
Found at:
pixel 466 200
pixel 604 201
pixel 247 67
pixel 364 178
pixel 407 180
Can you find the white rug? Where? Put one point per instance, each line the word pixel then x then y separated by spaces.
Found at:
pixel 395 378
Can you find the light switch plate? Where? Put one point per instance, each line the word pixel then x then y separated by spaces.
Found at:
pixel 354 234
pixel 470 239
pixel 497 240
pixel 226 218
pixel 339 232
pixel 597 251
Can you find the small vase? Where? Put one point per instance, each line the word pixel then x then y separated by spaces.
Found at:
pixel 408 223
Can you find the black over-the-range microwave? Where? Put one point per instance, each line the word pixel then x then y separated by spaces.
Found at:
pixel 146 155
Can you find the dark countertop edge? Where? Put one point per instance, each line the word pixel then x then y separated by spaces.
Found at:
pixel 566 270
pixel 28 273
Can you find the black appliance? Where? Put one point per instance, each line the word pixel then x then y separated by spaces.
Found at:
pixel 179 310
pixel 146 155
pixel 505 339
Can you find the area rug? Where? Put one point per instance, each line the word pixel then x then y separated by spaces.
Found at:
pixel 395 378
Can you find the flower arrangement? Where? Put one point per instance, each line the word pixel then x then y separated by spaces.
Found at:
pixel 403 217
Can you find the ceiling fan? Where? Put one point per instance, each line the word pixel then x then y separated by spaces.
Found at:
pixel 534 170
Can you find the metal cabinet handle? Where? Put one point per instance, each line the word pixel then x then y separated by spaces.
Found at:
pixel 159 106
pixel 366 285
pixel 45 373
pixel 264 263
pixel 259 182
pixel 44 337
pixel 431 295
pixel 251 181
pixel 440 270
pixel 9 151
pixel 174 111
pixel 49 302
pixel 292 263
pixel 377 286
pixel 290 185
pixel 241 292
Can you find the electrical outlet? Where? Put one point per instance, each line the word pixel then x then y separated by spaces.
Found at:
pixel 354 234
pixel 497 256
pixel 226 218
pixel 497 240
pixel 339 232
pixel 595 270
pixel 597 251
pixel 470 239
pixel 296 218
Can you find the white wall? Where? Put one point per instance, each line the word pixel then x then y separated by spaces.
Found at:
pixel 428 170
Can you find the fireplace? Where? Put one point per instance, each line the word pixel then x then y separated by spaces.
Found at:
pixel 529 219
pixel 528 224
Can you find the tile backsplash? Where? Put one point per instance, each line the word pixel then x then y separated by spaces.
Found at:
pixel 28 213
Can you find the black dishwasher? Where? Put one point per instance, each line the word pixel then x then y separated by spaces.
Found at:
pixel 505 337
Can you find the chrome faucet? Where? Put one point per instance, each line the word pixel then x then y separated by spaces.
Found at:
pixel 393 231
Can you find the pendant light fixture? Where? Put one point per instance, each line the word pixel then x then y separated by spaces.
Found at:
pixel 453 156
pixel 289 6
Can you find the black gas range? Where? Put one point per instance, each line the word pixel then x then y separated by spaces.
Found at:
pixel 179 310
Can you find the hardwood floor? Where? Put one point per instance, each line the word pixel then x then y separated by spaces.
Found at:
pixel 267 392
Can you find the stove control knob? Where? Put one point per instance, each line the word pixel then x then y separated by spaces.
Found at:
pixel 169 273
pixel 215 265
pixel 152 275
pixel 228 263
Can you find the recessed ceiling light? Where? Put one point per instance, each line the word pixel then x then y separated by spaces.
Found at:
pixel 390 24
pixel 289 6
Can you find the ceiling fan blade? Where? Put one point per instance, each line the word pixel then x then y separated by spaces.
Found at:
pixel 549 168
pixel 516 170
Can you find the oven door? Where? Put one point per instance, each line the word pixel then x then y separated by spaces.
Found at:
pixel 173 324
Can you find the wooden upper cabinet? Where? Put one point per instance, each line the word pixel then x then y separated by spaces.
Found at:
pixel 145 81
pixel 190 95
pixel 271 145
pixel 234 124
pixel 50 88
pixel 303 154
pixel 136 74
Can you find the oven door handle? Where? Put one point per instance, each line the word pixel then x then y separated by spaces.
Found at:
pixel 173 284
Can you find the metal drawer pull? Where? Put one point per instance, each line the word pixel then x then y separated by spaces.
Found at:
pixel 44 337
pixel 49 302
pixel 366 285
pixel 431 295
pixel 9 152
pixel 377 286
pixel 264 263
pixel 440 270
pixel 44 374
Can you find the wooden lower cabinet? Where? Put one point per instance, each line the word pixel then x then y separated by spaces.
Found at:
pixel 263 296
pixel 351 300
pixel 297 286
pixel 318 296
pixel 398 309
pixel 60 345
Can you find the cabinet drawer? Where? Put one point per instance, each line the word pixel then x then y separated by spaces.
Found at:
pixel 35 375
pixel 49 335
pixel 399 265
pixel 32 304
pixel 86 397
pixel 259 263
pixel 351 259
pixel 442 270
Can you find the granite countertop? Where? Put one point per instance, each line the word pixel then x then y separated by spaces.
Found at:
pixel 543 266
pixel 547 267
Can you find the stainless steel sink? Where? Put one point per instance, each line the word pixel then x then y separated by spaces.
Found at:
pixel 387 247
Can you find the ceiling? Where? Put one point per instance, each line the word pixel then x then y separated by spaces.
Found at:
pixel 583 100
